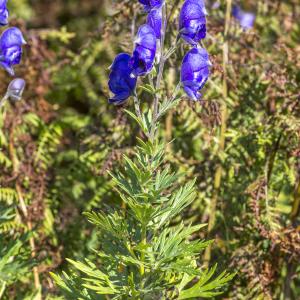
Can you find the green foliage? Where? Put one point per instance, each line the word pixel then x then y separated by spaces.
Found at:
pixel 63 148
pixel 144 252
pixel 14 259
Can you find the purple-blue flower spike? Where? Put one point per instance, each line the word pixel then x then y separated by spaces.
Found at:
pixel 143 56
pixel 192 21
pixel 195 72
pixel 154 20
pixel 120 82
pixel 246 19
pixel 11 42
pixel 150 4
pixel 3 13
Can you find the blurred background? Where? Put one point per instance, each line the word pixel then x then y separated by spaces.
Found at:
pixel 58 144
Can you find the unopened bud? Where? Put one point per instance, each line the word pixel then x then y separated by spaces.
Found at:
pixel 15 89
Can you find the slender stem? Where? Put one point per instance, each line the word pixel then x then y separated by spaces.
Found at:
pixel 24 210
pixel 144 242
pixel 160 72
pixel 224 116
pixel 2 101
pixel 296 202
pixel 137 106
pixel 2 289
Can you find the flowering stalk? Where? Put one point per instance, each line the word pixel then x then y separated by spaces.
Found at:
pixel 222 136
pixel 160 71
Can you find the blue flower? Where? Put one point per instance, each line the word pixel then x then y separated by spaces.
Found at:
pixel 195 72
pixel 246 19
pixel 192 21
pixel 3 13
pixel 120 82
pixel 11 42
pixel 154 20
pixel 150 4
pixel 143 56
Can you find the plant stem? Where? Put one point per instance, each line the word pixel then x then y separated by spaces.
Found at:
pixel 296 202
pixel 2 289
pixel 144 242
pixel 24 210
pixel 224 116
pixel 2 101
pixel 137 106
pixel 160 72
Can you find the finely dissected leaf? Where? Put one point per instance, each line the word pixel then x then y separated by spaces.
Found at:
pixel 14 259
pixel 205 287
pixel 172 244
pixel 148 88
pixel 112 223
pixel 179 201
pixel 89 269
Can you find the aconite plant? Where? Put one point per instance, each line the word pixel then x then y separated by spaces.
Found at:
pixel 147 252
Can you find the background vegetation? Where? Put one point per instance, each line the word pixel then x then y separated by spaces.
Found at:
pixel 241 144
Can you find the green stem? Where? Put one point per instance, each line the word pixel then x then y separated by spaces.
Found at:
pixel 137 106
pixel 144 243
pixel 2 101
pixel 160 72
pixel 2 289
pixel 224 116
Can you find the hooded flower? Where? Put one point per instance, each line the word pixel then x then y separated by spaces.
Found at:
pixel 195 72
pixel 246 19
pixel 154 20
pixel 120 82
pixel 143 56
pixel 11 42
pixel 192 21
pixel 3 13
pixel 150 4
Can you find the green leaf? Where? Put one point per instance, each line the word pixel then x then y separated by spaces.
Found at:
pixel 204 287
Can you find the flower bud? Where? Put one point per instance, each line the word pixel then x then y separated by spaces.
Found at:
pixel 150 4
pixel 154 20
pixel 3 13
pixel 15 89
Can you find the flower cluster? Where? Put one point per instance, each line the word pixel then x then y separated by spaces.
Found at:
pixel 195 66
pixel 125 68
pixel 11 42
